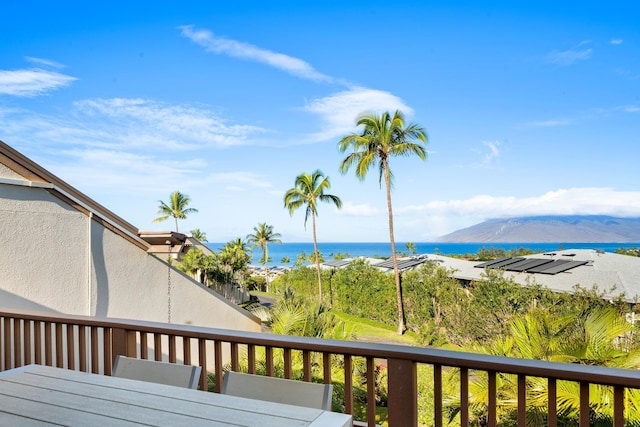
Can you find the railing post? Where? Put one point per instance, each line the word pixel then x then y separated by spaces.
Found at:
pixel 403 393
pixel 120 344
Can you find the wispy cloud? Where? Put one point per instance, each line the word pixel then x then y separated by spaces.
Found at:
pixel 44 62
pixel 568 57
pixel 31 82
pixel 616 41
pixel 142 122
pixel 237 49
pixel 338 111
pixel 548 123
pixel 490 154
pixel 362 210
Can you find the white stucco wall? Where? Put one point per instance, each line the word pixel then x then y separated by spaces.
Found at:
pixel 53 257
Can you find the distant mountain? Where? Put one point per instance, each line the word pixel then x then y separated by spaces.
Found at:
pixel 561 229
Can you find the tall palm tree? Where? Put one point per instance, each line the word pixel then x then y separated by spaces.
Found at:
pixel 196 233
pixel 308 191
pixel 176 208
pixel 263 234
pixel 384 136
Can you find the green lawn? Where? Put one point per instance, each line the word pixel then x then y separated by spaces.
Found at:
pixel 368 330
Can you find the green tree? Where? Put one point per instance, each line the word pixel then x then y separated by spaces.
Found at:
pixel 176 208
pixel 411 248
pixel 308 191
pixel 263 234
pixel 196 233
pixel 384 136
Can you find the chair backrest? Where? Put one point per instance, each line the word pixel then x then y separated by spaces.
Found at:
pixel 156 372
pixel 311 395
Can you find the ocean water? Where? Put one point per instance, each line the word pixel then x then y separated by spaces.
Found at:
pixel 383 249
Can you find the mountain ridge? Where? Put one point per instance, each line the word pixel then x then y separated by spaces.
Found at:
pixel 550 228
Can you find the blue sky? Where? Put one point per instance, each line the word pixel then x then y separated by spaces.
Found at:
pixel 530 109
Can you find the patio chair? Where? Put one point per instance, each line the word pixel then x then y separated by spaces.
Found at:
pixel 156 372
pixel 300 393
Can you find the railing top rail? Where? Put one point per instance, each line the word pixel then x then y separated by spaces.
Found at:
pixel 428 355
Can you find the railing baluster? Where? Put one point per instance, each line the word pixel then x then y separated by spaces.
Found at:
pixel 217 358
pixel 437 395
pixel 7 342
pixel 202 361
pixel 522 400
pixel 157 347
pixel 71 353
pixel 27 341
pixel 59 348
pixel 172 349
pixel 95 360
pixel 464 397
pixel 326 367
pixel 144 346
pixel 106 343
pixel 348 384
pixel 552 416
pixel 306 365
pixel 186 350
pixel 235 357
pixel 268 355
pixel 618 406
pixel 82 346
pixel 48 355
pixel 584 404
pixel 371 392
pixel 17 344
pixel 287 363
pixel 251 358
pixel 492 407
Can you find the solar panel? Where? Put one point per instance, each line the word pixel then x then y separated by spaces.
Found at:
pixel 506 262
pixel 403 264
pixel 490 263
pixel 338 263
pixel 564 267
pixel 527 264
pixel 543 267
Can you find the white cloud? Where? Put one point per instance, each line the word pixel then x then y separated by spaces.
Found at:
pixel 572 201
pixel 548 123
pixel 616 41
pixel 44 62
pixel 31 82
pixel 234 48
pixel 233 179
pixel 129 125
pixel 568 57
pixel 490 155
pixel 338 112
pixel 362 210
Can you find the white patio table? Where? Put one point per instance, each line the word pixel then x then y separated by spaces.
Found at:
pixel 41 395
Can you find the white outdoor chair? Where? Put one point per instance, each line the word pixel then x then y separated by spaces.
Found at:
pixel 156 372
pixel 300 393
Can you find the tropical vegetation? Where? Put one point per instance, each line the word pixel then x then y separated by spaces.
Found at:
pixel 310 189
pixel 262 235
pixel 384 136
pixel 176 208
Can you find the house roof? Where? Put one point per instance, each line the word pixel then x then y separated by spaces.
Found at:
pixel 614 274
pixel 38 177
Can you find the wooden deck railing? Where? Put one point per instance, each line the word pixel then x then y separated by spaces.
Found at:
pixel 91 344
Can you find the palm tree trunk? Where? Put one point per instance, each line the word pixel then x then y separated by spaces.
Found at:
pixel 176 219
pixel 265 254
pixel 315 251
pixel 394 257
